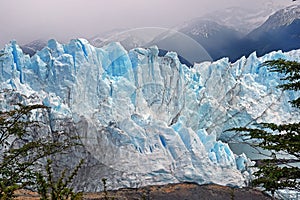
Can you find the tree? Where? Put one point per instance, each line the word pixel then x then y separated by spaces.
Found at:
pixel 48 188
pixel 279 173
pixel 22 148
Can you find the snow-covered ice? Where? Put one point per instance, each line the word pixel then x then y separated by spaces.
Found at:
pixel 145 119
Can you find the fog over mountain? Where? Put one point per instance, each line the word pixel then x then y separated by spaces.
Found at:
pixel 223 35
pixel 26 21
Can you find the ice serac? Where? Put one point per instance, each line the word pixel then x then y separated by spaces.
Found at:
pixel 145 119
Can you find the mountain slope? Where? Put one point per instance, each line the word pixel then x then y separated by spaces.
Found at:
pixel 280 32
pixel 34 46
pixel 240 19
pixel 215 38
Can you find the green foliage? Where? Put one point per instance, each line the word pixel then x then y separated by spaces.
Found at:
pixel 105 188
pixel 274 177
pixel 286 139
pixel 273 173
pixel 291 70
pixel 49 189
pixel 106 197
pixel 21 148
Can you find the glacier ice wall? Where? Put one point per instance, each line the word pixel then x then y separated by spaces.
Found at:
pixel 145 119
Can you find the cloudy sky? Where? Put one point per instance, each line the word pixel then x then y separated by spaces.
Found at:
pixel 27 20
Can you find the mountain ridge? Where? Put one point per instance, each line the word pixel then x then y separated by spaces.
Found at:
pixel 219 37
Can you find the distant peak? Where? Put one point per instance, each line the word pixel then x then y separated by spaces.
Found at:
pixel 283 17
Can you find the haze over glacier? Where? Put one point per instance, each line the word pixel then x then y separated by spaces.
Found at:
pixel 145 119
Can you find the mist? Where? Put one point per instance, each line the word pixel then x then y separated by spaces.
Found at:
pixel 25 21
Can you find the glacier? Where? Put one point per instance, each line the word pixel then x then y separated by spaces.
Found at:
pixel 145 119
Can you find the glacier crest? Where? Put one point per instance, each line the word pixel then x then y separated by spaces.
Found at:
pixel 145 119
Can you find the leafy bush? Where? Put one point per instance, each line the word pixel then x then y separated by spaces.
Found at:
pixel 22 148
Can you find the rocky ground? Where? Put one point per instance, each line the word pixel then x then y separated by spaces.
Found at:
pixel 181 191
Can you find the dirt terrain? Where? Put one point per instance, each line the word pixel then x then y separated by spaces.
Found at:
pixel 181 191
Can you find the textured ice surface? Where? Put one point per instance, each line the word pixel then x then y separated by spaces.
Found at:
pixel 145 119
